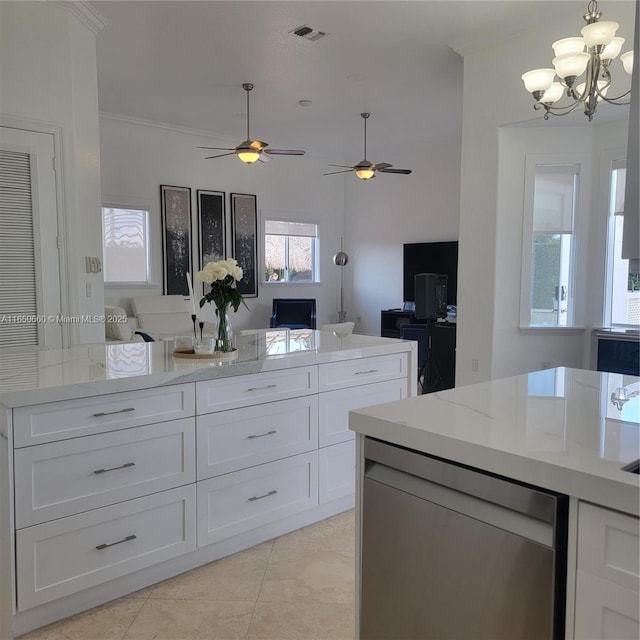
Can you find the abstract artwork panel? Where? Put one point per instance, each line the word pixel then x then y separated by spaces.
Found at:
pixel 244 229
pixel 211 227
pixel 176 238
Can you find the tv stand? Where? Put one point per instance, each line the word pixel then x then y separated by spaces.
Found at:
pixel 391 321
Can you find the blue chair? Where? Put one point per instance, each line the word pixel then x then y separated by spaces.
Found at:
pixel 293 313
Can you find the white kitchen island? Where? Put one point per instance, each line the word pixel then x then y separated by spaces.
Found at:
pixel 558 430
pixel 122 465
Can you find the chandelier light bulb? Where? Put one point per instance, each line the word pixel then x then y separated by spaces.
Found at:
pixel 627 61
pixel 599 33
pixel 612 50
pixel 571 64
pixel 568 45
pixel 538 79
pixel 552 94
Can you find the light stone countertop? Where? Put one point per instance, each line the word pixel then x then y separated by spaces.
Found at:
pixel 83 371
pixel 556 429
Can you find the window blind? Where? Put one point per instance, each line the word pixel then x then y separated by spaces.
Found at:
pixel 620 172
pixel 554 200
pixel 18 295
pixel 285 228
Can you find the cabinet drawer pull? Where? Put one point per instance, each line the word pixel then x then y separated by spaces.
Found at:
pixel 122 466
pixel 269 386
pixel 261 435
pixel 359 373
pixel 100 547
pixel 266 495
pixel 111 413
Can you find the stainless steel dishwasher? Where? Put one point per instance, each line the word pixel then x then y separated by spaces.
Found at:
pixel 451 552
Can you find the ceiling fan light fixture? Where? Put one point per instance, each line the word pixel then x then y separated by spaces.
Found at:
pixel 364 173
pixel 248 156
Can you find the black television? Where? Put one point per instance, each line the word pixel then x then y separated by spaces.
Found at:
pixel 430 257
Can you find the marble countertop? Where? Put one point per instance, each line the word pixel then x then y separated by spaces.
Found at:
pixel 557 429
pixel 82 371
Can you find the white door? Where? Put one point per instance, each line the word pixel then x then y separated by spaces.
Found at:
pixel 30 303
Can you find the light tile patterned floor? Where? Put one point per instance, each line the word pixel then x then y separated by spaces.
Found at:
pixel 297 587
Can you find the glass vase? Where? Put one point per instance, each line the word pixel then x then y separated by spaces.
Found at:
pixel 224 341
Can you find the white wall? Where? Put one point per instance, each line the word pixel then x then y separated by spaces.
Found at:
pixel 49 77
pixel 137 157
pixel 484 266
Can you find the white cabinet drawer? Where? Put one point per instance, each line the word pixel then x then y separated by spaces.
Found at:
pixel 240 438
pixel 244 500
pixel 255 388
pixel 65 556
pixel 73 418
pixel 334 407
pixel 337 471
pixel 608 544
pixel 351 373
pixel 62 478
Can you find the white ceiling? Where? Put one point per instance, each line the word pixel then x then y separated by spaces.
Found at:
pixel 183 63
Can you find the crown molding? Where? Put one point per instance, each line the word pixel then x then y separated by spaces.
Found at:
pixel 116 117
pixel 85 12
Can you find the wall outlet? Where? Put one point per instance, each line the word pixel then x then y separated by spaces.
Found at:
pixel 475 365
pixel 546 364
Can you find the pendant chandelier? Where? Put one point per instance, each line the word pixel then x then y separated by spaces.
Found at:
pixel 572 61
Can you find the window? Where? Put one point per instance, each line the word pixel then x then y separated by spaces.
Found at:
pixel 290 250
pixel 622 300
pixel 549 245
pixel 125 233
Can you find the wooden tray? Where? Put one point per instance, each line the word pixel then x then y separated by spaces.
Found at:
pixel 221 356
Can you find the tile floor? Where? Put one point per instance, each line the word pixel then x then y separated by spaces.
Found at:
pixel 297 587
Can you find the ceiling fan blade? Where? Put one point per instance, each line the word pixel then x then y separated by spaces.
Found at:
pixel 217 148
pixel 284 152
pixel 257 144
pixel 334 172
pixel 220 156
pixel 264 157
pixel 382 165
pixel 405 172
pixel 344 166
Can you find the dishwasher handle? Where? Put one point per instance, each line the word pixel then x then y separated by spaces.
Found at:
pixel 527 500
pixel 490 513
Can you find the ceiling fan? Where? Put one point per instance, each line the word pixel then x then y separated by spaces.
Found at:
pixel 251 150
pixel 365 169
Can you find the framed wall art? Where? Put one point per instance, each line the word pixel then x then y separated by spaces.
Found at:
pixel 244 230
pixel 212 227
pixel 176 238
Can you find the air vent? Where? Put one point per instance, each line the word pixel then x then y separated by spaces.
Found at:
pixel 308 33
